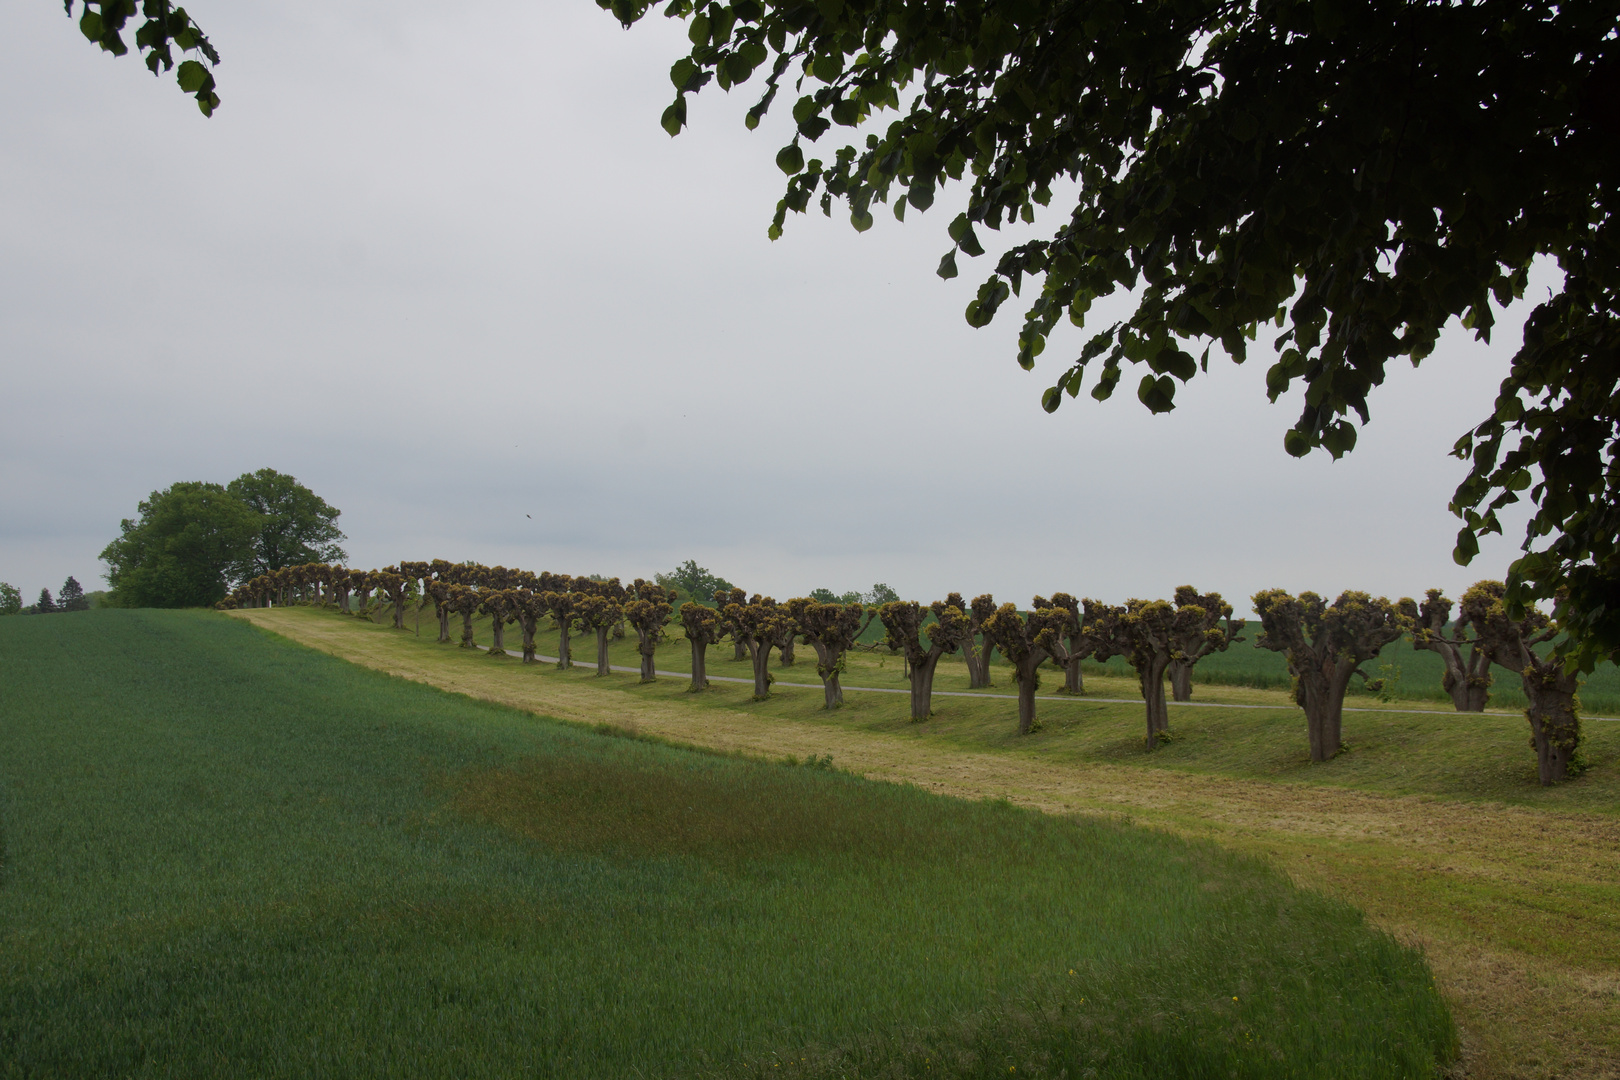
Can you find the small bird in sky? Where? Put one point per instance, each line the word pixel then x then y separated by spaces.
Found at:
pixel 529 516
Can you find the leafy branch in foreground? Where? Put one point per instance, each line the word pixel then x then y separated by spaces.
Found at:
pixel 1344 176
pixel 166 29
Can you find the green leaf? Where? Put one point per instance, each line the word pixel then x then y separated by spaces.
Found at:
pixel 790 159
pixel 192 76
pixel 1106 383
pixel 90 24
pixel 814 127
pixel 828 66
pixel 861 219
pixel 1158 394
pixel 1051 399
pixel 1339 438
pixel 1295 442
pixel 947 265
pixel 674 117
pixel 1467 547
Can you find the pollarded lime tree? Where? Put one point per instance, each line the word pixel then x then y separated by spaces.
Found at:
pixel 832 630
pixel 977 646
pixel 1027 641
pixel 361 584
pixel 599 612
pixel 394 585
pixel 761 624
pixel 418 575
pixel 498 605
pixel 906 622
pixel 648 610
pixel 464 601
pixel 1468 680
pixel 528 608
pixel 1199 631
pixel 340 588
pixel 562 602
pixel 439 591
pixel 1326 644
pixel 724 600
pixel 1077 645
pixel 703 625
pixel 1522 645
pixel 1143 632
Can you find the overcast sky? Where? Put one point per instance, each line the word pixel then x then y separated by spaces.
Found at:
pixel 442 264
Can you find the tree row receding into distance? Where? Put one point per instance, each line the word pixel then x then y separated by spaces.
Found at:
pixel 1326 645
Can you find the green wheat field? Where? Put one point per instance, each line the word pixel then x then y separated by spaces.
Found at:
pixel 222 854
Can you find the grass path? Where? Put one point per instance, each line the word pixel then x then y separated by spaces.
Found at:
pixel 1516 907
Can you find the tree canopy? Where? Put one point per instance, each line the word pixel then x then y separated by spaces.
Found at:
pixel 1344 176
pixel 299 526
pixel 180 550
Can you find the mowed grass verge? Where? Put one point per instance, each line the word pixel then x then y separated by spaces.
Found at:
pixel 225 854
pixel 1433 822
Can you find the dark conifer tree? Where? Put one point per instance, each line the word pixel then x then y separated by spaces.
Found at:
pixel 71 597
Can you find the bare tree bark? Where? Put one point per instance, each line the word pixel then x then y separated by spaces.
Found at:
pixel 700 674
pixel 922 684
pixel 760 654
pixel 1027 675
pixel 1555 725
pixel 1181 680
pixel 497 636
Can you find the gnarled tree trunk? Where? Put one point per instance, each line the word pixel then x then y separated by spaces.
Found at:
pixel 1555 726
pixel 1321 694
pixel 700 674
pixel 1181 680
pixel 922 686
pixel 467 641
pixel 761 656
pixel 497 636
pixel 565 655
pixel 602 667
pixel 977 655
pixel 1027 675
pixel 444 623
pixel 1158 713
pixel 828 667
pixel 787 652
pixel 649 669
pixel 1073 681
pixel 740 650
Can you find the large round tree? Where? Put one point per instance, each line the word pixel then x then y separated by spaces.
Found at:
pixel 181 549
pixel 299 526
